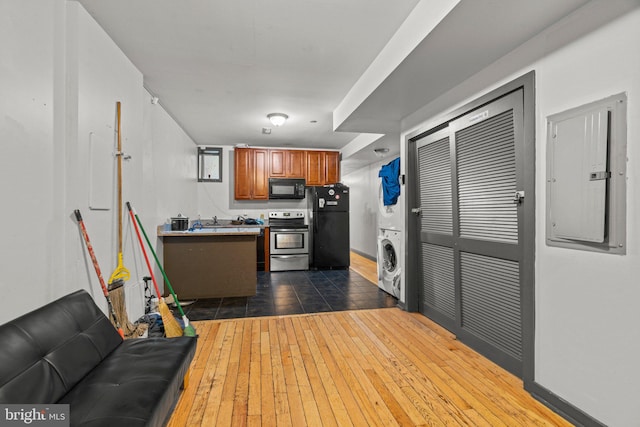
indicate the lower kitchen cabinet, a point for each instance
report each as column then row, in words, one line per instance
column 262, row 250
column 211, row 266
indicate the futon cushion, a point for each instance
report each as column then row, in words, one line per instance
column 46, row 352
column 136, row 385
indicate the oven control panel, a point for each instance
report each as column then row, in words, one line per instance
column 286, row 215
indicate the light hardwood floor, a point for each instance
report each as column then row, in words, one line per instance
column 380, row 367
column 365, row 267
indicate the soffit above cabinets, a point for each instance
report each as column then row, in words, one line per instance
column 470, row 37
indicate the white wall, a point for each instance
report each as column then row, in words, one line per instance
column 28, row 173
column 363, row 217
column 102, row 75
column 587, row 339
column 172, row 179
column 217, row 198
column 60, row 76
column 586, row 307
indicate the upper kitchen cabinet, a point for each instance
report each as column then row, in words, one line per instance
column 287, row 163
column 251, row 174
column 254, row 167
column 277, row 163
column 315, row 168
column 261, row 178
column 332, row 167
column 323, row 167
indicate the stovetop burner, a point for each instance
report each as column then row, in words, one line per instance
column 287, row 220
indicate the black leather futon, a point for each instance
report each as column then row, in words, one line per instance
column 68, row 352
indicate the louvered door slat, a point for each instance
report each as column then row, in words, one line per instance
column 491, row 301
column 435, row 186
column 438, row 279
column 470, row 249
column 486, row 179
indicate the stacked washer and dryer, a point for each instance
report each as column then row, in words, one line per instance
column 390, row 247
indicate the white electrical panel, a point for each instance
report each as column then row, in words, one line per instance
column 579, row 173
column 586, row 175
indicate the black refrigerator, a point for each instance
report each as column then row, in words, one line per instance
column 328, row 226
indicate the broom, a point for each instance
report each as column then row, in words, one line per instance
column 121, row 272
column 188, row 329
column 171, row 326
column 85, row 235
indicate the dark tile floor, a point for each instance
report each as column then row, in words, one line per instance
column 296, row 292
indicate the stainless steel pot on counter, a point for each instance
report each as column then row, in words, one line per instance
column 179, row 223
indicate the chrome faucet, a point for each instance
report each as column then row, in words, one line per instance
column 215, row 220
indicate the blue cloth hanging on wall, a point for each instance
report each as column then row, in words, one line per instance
column 390, row 182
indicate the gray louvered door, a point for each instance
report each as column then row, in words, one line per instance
column 470, row 239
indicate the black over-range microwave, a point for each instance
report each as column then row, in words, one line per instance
column 286, row 188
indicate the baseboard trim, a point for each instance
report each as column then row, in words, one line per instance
column 362, row 254
column 561, row 406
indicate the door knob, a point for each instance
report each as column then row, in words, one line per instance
column 518, row 197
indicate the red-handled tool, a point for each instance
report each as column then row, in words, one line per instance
column 98, row 272
column 171, row 326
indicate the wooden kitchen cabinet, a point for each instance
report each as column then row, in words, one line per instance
column 277, row 163
column 286, row 163
column 295, row 163
column 254, row 167
column 332, row 167
column 243, row 173
column 261, row 175
column 251, row 174
column 211, row 266
column 315, row 168
column 323, row 167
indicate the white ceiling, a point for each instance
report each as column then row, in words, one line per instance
column 219, row 67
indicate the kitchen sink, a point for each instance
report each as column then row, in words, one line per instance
column 225, row 229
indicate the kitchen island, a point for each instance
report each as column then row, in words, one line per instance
column 211, row 262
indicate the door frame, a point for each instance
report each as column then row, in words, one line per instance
column 526, row 83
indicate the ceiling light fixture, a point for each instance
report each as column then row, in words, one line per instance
column 277, row 119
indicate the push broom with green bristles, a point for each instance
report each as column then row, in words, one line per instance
column 188, row 328
column 171, row 327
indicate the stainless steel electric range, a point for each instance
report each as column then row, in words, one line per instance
column 288, row 241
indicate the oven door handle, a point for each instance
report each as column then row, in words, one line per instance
column 288, row 256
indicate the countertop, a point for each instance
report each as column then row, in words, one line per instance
column 225, row 230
